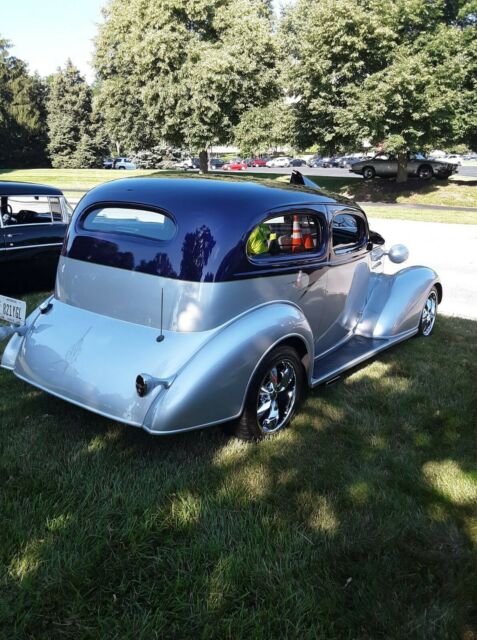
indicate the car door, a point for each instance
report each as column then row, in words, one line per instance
column 385, row 165
column 347, row 279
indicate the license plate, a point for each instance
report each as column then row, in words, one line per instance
column 11, row 310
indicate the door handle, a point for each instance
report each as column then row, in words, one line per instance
column 9, row 235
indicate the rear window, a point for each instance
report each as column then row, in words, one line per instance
column 134, row 222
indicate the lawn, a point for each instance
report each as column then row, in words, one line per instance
column 422, row 215
column 457, row 192
column 358, row 522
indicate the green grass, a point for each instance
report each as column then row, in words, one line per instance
column 422, row 215
column 359, row 521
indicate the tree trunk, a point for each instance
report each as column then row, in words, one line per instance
column 203, row 161
column 402, row 168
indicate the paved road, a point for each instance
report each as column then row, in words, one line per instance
column 340, row 173
column 450, row 249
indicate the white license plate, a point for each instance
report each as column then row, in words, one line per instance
column 12, row 310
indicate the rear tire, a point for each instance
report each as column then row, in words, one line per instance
column 273, row 396
column 429, row 314
column 369, row 173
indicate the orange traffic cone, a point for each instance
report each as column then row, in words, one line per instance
column 296, row 239
column 308, row 241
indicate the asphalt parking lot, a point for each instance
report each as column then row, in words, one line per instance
column 341, row 173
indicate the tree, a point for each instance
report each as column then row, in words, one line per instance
column 69, row 118
column 22, row 113
column 186, row 70
column 264, row 128
column 395, row 73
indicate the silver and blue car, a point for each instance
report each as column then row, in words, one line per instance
column 185, row 303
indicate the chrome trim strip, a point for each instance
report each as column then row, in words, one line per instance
column 34, row 246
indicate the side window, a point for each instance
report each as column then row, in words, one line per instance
column 21, row 210
column 348, row 232
column 287, row 234
column 56, row 212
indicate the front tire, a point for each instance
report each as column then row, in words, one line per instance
column 369, row 173
column 429, row 314
column 274, row 394
column 425, row 172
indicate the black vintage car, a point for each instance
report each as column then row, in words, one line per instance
column 33, row 223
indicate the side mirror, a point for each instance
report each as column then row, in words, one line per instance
column 376, row 238
column 398, row 253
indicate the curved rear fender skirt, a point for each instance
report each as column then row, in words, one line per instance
column 395, row 302
column 212, row 387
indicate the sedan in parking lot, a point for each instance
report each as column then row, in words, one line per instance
column 259, row 162
column 385, row 165
column 297, row 162
column 235, row 165
column 281, row 161
column 216, row 163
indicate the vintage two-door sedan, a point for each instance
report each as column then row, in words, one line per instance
column 33, row 224
column 184, row 303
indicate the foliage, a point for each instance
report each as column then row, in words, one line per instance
column 22, row 113
column 75, row 139
column 402, row 73
column 262, row 129
column 183, row 71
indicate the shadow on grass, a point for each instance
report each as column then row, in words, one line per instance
column 388, row 191
column 356, row 522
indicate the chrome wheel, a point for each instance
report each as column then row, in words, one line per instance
column 429, row 313
column 276, row 397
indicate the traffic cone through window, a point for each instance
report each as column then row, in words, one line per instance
column 296, row 239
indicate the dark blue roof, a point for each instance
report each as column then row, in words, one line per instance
column 216, row 196
column 27, row 189
column 214, row 218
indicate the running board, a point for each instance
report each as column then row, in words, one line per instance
column 349, row 355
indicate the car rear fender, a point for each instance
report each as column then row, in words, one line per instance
column 395, row 302
column 212, row 387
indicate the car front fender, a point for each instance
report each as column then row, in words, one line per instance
column 395, row 302
column 212, row 387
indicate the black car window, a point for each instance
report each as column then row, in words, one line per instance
column 135, row 222
column 348, row 232
column 286, row 234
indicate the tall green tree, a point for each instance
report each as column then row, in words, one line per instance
column 22, row 113
column 183, row 71
column 69, row 118
column 395, row 73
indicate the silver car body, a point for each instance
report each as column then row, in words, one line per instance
column 199, row 342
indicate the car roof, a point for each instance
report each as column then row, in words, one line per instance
column 27, row 189
column 215, row 197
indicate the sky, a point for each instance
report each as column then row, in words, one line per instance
column 45, row 33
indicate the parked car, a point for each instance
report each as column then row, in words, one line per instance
column 259, row 162
column 107, row 163
column 314, row 162
column 33, row 223
column 385, row 165
column 188, row 163
column 281, row 161
column 454, row 158
column 180, row 304
column 235, row 165
column 297, row 162
column 216, row 163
